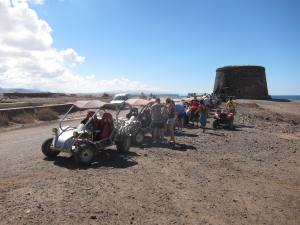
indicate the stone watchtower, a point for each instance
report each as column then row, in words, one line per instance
column 247, row 82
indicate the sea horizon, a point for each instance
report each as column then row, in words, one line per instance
column 288, row 97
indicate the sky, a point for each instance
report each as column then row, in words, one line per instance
column 156, row 45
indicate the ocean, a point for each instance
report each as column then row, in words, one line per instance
column 284, row 97
column 287, row 97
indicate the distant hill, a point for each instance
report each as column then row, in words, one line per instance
column 18, row 90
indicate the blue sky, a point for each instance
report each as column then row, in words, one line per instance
column 177, row 45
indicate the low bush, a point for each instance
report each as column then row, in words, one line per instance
column 23, row 118
column 4, row 121
column 46, row 114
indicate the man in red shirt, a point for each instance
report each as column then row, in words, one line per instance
column 194, row 106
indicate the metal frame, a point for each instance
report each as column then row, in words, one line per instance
column 87, row 123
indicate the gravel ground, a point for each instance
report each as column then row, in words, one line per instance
column 246, row 176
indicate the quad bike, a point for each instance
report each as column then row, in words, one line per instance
column 142, row 122
column 223, row 118
column 91, row 135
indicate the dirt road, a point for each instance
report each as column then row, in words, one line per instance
column 246, row 176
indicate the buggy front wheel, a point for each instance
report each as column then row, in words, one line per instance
column 46, row 149
column 231, row 126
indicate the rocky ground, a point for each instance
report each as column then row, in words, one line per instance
column 246, row 176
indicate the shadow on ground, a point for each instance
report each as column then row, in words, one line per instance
column 185, row 134
column 243, row 126
column 177, row 146
column 216, row 134
column 106, row 158
column 237, row 127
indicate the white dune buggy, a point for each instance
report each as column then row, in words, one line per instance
column 91, row 135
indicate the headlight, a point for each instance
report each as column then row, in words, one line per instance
column 54, row 131
column 75, row 134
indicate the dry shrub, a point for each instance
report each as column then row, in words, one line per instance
column 23, row 118
column 105, row 95
column 4, row 121
column 46, row 114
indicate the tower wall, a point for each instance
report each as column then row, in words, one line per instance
column 247, row 82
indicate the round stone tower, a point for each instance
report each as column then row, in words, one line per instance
column 247, row 82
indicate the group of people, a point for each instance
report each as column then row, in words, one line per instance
column 197, row 111
column 163, row 117
column 166, row 117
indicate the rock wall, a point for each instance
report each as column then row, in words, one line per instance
column 247, row 82
column 59, row 108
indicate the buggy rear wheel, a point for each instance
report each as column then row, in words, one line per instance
column 138, row 138
column 124, row 144
column 46, row 149
column 215, row 124
column 84, row 156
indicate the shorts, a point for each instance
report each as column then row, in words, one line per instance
column 171, row 121
column 194, row 115
column 181, row 116
column 159, row 125
column 232, row 111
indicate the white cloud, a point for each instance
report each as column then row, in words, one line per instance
column 38, row 2
column 28, row 59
